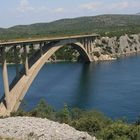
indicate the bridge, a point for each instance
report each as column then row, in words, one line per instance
column 15, row 92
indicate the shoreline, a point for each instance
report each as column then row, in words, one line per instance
column 112, row 57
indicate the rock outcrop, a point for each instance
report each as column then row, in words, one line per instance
column 28, row 128
column 106, row 48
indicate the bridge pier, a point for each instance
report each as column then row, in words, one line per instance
column 41, row 49
column 26, row 64
column 16, row 61
column 88, row 46
column 91, row 46
column 5, row 78
column 86, row 43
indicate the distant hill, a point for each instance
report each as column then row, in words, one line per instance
column 2, row 30
column 103, row 24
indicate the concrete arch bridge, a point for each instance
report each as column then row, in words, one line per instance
column 15, row 92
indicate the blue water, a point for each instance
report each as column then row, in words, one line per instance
column 111, row 87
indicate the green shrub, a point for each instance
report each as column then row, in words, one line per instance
column 93, row 122
column 20, row 112
column 135, row 132
column 76, row 113
column 63, row 115
column 116, row 131
column 43, row 110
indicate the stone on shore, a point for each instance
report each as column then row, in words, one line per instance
column 29, row 128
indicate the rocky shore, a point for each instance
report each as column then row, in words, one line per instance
column 106, row 48
column 29, row 128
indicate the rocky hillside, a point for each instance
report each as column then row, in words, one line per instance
column 106, row 48
column 27, row 128
column 104, row 24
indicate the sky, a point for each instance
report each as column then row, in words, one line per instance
column 22, row 12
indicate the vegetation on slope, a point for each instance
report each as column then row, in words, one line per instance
column 110, row 25
column 93, row 122
column 66, row 53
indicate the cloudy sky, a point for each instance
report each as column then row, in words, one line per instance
column 15, row 12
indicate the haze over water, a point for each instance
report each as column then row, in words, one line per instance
column 112, row 87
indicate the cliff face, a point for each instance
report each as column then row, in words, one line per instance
column 106, row 48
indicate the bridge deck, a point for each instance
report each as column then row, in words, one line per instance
column 28, row 41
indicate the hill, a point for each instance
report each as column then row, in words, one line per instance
column 103, row 24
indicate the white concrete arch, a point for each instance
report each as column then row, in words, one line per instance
column 18, row 92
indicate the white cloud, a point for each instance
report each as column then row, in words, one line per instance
column 59, row 10
column 112, row 6
column 125, row 5
column 91, row 5
column 24, row 6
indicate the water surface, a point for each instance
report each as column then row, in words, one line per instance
column 111, row 87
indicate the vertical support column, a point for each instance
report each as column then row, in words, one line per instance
column 90, row 45
column 26, row 65
column 82, row 42
column 31, row 50
column 41, row 49
column 5, row 78
column 16, row 61
column 85, row 43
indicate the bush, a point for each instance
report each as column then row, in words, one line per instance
column 135, row 132
column 91, row 125
column 20, row 112
column 43, row 110
column 63, row 116
column 116, row 131
column 93, row 122
column 76, row 113
column 97, row 54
